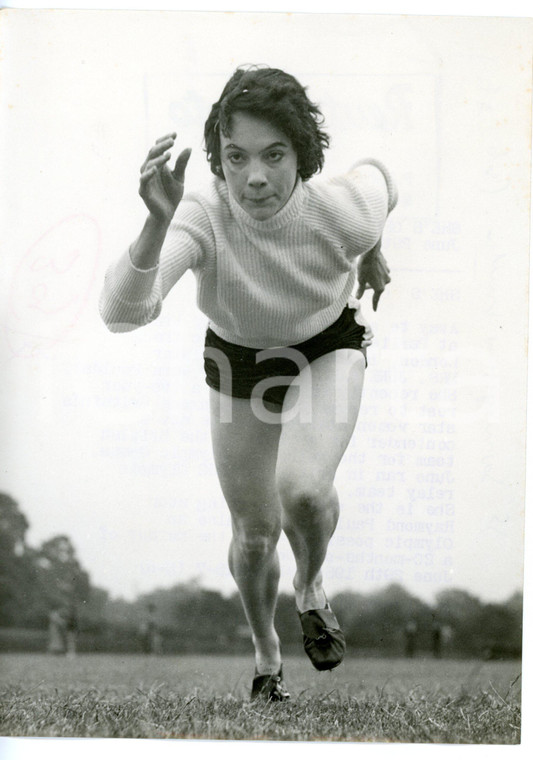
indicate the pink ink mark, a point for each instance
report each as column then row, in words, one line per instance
column 52, row 285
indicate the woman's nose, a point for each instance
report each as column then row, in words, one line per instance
column 256, row 175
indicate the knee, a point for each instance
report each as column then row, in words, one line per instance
column 304, row 498
column 257, row 542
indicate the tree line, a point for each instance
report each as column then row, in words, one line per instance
column 187, row 618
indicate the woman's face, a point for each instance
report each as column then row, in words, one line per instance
column 259, row 164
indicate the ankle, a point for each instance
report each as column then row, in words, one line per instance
column 310, row 597
column 267, row 667
column 267, row 654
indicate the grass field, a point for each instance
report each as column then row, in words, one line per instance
column 393, row 700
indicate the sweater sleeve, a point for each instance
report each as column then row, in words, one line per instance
column 133, row 297
column 360, row 170
column 358, row 205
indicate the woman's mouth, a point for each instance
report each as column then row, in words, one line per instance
column 259, row 201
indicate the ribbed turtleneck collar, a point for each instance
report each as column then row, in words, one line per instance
column 284, row 216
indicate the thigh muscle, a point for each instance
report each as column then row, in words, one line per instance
column 312, row 443
column 245, row 451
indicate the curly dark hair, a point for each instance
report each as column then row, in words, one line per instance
column 278, row 98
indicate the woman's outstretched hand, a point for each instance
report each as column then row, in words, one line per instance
column 160, row 187
column 373, row 273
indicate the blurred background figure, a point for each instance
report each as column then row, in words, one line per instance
column 436, row 638
column 149, row 632
column 57, row 643
column 71, row 630
column 410, row 632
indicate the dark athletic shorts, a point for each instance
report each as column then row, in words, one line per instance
column 236, row 372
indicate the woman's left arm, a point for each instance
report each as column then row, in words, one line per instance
column 373, row 273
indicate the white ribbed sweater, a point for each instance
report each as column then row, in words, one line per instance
column 261, row 283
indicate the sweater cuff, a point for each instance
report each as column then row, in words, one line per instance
column 131, row 284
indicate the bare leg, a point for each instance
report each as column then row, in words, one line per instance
column 245, row 451
column 308, row 457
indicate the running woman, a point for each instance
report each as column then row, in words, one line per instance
column 276, row 259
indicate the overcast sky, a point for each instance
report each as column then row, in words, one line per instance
column 107, row 436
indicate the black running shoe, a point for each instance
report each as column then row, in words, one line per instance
column 324, row 641
column 270, row 687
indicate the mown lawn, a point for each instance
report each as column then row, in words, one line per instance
column 365, row 700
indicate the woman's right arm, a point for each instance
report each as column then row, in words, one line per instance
column 161, row 190
column 132, row 296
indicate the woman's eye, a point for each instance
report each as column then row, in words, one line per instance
column 275, row 156
column 236, row 158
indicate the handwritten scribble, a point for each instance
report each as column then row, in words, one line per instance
column 51, row 285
